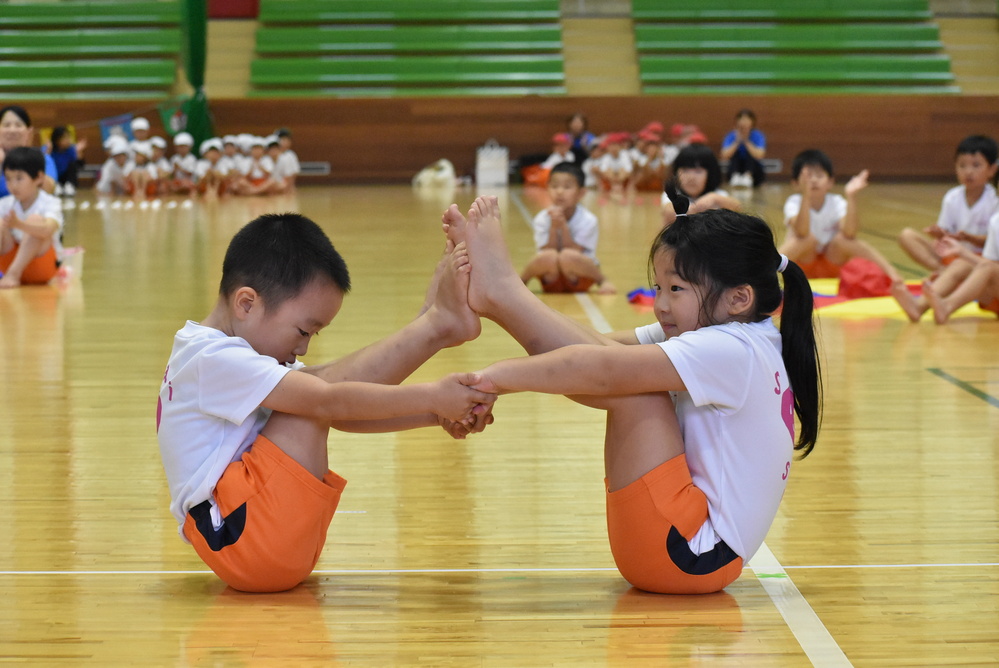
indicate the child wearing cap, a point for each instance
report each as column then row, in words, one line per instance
column 184, row 164
column 649, row 160
column 164, row 170
column 211, row 172
column 140, row 132
column 561, row 151
column 112, row 180
column 141, row 179
column 256, row 178
column 615, row 167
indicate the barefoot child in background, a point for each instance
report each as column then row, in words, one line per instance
column 566, row 236
column 822, row 228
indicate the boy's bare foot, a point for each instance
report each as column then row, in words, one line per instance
column 494, row 279
column 453, row 319
column 454, row 224
column 606, row 288
column 8, row 281
column 435, row 280
column 913, row 309
column 941, row 310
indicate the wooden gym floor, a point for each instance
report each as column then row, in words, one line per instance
column 490, row 551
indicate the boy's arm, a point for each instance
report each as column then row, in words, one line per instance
column 850, row 224
column 801, row 224
column 304, row 394
column 585, row 370
column 36, row 225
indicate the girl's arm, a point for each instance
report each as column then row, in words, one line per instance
column 585, row 370
column 715, row 200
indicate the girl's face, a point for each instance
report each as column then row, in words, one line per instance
column 13, row 132
column 577, row 125
column 693, row 180
column 678, row 302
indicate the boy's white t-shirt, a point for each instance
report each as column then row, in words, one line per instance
column 111, row 174
column 610, row 163
column 287, row 163
column 824, row 223
column 737, row 422
column 45, row 205
column 991, row 250
column 258, row 169
column 209, row 411
column 956, row 216
column 557, row 158
column 583, row 228
column 205, row 165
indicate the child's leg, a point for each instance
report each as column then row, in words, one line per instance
column 919, row 248
column 842, row 249
column 497, row 292
column 981, row 284
column 574, row 265
column 448, row 321
column 543, row 266
column 800, row 250
column 30, row 248
column 642, row 433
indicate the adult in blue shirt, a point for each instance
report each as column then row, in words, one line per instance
column 16, row 131
column 744, row 148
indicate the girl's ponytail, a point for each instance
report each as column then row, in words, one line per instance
column 801, row 356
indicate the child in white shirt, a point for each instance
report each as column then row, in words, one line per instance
column 30, row 222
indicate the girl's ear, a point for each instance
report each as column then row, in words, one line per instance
column 741, row 300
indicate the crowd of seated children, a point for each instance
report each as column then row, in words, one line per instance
column 234, row 164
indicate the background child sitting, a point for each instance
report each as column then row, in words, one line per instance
column 30, row 222
column 822, row 227
column 566, row 236
column 697, row 176
column 112, row 180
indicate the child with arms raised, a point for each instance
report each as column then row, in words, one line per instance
column 822, row 228
column 692, row 486
column 243, row 426
column 566, row 236
column 30, row 222
column 966, row 209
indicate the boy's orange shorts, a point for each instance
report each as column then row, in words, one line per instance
column 563, row 284
column 276, row 515
column 820, row 267
column 650, row 522
column 39, row 271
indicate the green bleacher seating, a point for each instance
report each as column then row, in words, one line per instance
column 90, row 13
column 63, row 78
column 787, row 37
column 89, row 43
column 519, row 38
column 407, row 11
column 781, row 10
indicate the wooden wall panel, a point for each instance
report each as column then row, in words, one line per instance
column 388, row 140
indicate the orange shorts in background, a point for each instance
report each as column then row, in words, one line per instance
column 649, row 523
column 820, row 267
column 563, row 284
column 39, row 271
column 276, row 515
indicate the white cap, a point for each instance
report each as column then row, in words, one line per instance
column 230, row 139
column 245, row 140
column 258, row 141
column 144, row 149
column 140, row 123
column 213, row 143
column 183, row 139
column 159, row 142
column 271, row 139
column 116, row 145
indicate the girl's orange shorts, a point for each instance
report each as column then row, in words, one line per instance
column 275, row 518
column 650, row 523
column 39, row 271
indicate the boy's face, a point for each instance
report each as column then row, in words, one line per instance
column 284, row 333
column 815, row 180
column 973, row 170
column 285, row 143
column 564, row 191
column 140, row 134
column 182, row 149
column 257, row 151
column 21, row 185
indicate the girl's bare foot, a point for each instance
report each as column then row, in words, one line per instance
column 941, row 309
column 450, row 313
column 494, row 280
column 913, row 309
column 435, row 280
column 606, row 288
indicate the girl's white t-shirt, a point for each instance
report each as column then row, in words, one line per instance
column 956, row 216
column 737, row 422
column 824, row 223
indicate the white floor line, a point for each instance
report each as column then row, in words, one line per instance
column 811, row 633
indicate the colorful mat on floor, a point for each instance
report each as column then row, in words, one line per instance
column 830, row 303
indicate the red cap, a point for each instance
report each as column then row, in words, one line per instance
column 697, row 137
column 562, row 138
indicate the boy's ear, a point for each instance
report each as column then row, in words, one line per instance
column 244, row 301
column 740, row 300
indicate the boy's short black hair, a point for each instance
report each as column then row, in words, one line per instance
column 979, row 144
column 811, row 157
column 25, row 159
column 572, row 169
column 278, row 255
